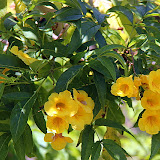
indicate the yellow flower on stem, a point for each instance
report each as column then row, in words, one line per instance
column 81, row 97
column 124, row 86
column 56, row 124
column 154, row 79
column 150, row 100
column 61, row 104
column 144, row 81
column 23, row 56
column 150, row 122
column 80, row 119
column 58, row 141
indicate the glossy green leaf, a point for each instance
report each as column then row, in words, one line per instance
column 110, row 123
column 101, row 87
column 114, row 149
column 154, row 47
column 67, row 77
column 10, row 61
column 106, row 62
column 100, row 39
column 19, row 117
column 20, row 148
column 96, row 150
column 125, row 10
column 87, row 142
column 4, row 140
column 68, row 14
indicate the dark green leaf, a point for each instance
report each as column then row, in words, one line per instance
column 100, row 39
column 28, row 140
column 66, row 78
column 2, row 86
column 10, row 61
column 19, row 117
column 114, row 149
column 154, row 47
column 4, row 127
column 110, row 123
column 4, row 115
column 4, row 140
column 106, row 62
column 47, row 4
column 87, row 142
column 68, row 14
column 17, row 95
column 101, row 88
column 20, row 148
column 96, row 150
column 114, row 112
column 126, row 11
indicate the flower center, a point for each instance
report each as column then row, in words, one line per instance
column 124, row 88
column 60, row 105
column 150, row 102
column 84, row 102
column 152, row 120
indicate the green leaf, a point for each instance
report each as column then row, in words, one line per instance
column 114, row 54
column 4, row 127
column 154, row 47
column 114, row 149
column 20, row 148
column 2, row 86
column 37, row 113
column 75, row 42
column 96, row 150
column 66, row 78
column 89, row 29
column 101, row 88
column 10, row 61
column 100, row 39
column 106, row 62
column 47, row 4
column 67, row 14
column 110, row 123
column 4, row 140
column 19, row 117
column 97, row 65
column 155, row 145
column 126, row 11
column 114, row 112
column 4, row 115
column 28, row 140
column 87, row 142
column 17, row 95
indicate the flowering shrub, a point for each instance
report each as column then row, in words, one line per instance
column 71, row 72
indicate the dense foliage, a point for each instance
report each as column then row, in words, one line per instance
column 69, row 66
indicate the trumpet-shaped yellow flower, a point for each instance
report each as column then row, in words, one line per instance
column 137, row 81
column 23, row 56
column 61, row 104
column 56, row 124
column 150, row 122
column 124, row 86
column 144, row 81
column 80, row 119
column 154, row 79
column 58, row 141
column 150, row 100
column 81, row 97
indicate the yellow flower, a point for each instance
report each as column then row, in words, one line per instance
column 61, row 104
column 150, row 122
column 58, row 141
column 81, row 97
column 80, row 119
column 150, row 100
column 56, row 124
column 154, row 81
column 124, row 86
column 144, row 81
column 137, row 81
column 23, row 56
